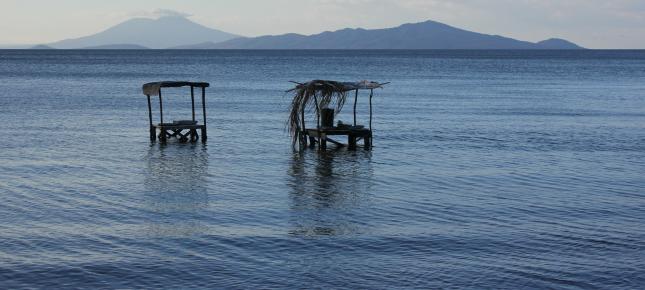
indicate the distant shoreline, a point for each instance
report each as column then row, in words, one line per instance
column 321, row 49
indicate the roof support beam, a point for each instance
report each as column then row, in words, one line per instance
column 204, row 104
column 355, row 101
column 371, row 94
column 160, row 107
column 149, row 110
column 192, row 100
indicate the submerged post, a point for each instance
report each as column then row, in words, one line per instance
column 204, row 135
column 152, row 129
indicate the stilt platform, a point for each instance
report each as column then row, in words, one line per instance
column 321, row 137
column 327, row 98
column 183, row 130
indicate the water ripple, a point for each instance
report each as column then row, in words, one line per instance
column 490, row 170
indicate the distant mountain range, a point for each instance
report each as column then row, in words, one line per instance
column 175, row 32
column 424, row 35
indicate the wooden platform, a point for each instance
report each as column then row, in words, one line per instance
column 320, row 136
column 182, row 132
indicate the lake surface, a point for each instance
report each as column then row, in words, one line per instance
column 490, row 169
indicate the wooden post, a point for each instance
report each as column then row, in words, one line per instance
column 351, row 141
column 321, row 146
column 152, row 129
column 160, row 107
column 317, row 112
column 323, row 141
column 368, row 140
column 192, row 100
column 162, row 134
column 371, row 94
column 193, row 135
column 355, row 101
column 204, row 135
column 149, row 110
column 303, row 132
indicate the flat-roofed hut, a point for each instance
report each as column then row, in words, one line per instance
column 327, row 98
column 183, row 130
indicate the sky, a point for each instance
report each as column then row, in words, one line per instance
column 590, row 23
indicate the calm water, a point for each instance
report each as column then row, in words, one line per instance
column 491, row 169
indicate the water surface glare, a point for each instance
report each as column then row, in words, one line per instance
column 491, row 169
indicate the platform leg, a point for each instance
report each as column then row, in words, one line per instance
column 351, row 142
column 204, row 136
column 367, row 142
column 153, row 134
column 323, row 141
column 163, row 135
column 312, row 142
column 193, row 135
column 302, row 138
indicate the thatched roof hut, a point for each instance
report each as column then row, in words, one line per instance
column 320, row 94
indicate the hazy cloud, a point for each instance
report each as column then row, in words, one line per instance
column 169, row 12
column 123, row 15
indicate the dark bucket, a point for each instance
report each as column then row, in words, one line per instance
column 327, row 118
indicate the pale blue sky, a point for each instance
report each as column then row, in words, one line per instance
column 591, row 23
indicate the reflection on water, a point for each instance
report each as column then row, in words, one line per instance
column 327, row 191
column 176, row 189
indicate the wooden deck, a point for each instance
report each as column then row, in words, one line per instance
column 183, row 132
column 320, row 136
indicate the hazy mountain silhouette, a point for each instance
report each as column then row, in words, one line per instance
column 203, row 45
column 424, row 35
column 41, row 46
column 557, row 43
column 117, row 46
column 167, row 31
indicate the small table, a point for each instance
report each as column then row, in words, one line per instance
column 353, row 134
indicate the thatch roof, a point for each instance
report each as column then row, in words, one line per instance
column 152, row 89
column 328, row 94
column 337, row 86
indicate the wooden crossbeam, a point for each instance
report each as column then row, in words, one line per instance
column 335, row 142
column 191, row 134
